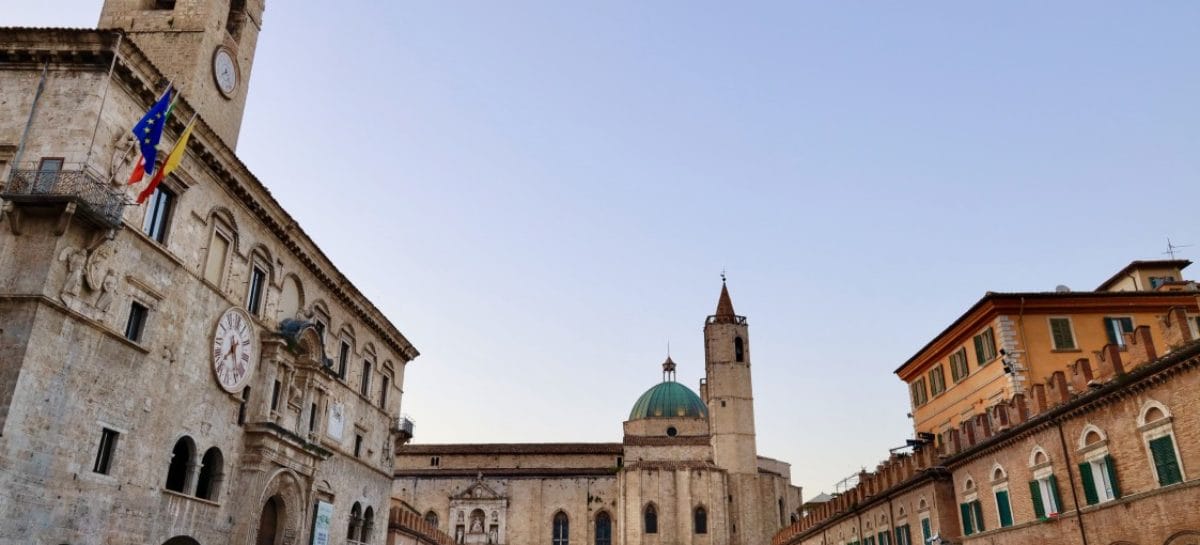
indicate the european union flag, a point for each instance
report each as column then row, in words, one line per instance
column 149, row 130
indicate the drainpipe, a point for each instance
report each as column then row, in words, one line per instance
column 1071, row 477
column 37, row 95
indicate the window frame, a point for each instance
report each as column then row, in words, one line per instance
column 1155, row 430
column 229, row 235
column 156, row 223
column 987, row 334
column 364, row 386
column 913, row 390
column 1070, row 331
column 256, row 287
column 650, row 519
column 106, row 451
column 957, row 374
column 560, row 528
column 135, row 330
column 1120, row 338
column 937, row 376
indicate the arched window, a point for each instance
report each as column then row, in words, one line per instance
column 368, row 525
column 1098, row 472
column 603, row 528
column 432, row 519
column 650, row 519
column 1000, row 493
column 1158, row 436
column 181, row 462
column 208, row 486
column 739, row 349
column 700, row 521
column 355, row 524
column 562, row 530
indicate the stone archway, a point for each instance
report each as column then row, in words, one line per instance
column 269, row 522
column 1186, row 537
column 181, row 540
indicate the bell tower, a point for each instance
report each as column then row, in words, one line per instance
column 206, row 47
column 730, row 401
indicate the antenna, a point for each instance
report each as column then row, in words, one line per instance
column 1173, row 248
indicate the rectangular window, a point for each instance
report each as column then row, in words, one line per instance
column 218, row 251
column 1166, row 465
column 258, row 281
column 1061, row 334
column 383, row 392
column 937, row 381
column 972, row 517
column 1156, row 281
column 158, row 214
column 47, row 176
column 985, row 347
column 1115, row 328
column 883, row 538
column 137, row 322
column 343, row 359
column 364, row 387
column 1099, row 480
column 312, row 418
column 275, row 395
column 1044, row 493
column 959, row 369
column 926, row 530
column 357, row 446
column 918, row 392
column 108, row 447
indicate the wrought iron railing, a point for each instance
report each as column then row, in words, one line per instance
column 403, row 424
column 83, row 187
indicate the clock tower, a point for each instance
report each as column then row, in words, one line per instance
column 206, row 47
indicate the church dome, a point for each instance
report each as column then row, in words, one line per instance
column 668, row 399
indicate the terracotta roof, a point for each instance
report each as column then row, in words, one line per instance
column 661, row 441
column 1147, row 264
column 513, row 448
column 508, row 472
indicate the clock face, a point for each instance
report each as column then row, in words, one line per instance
column 233, row 350
column 225, row 71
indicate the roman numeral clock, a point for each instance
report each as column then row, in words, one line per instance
column 233, row 350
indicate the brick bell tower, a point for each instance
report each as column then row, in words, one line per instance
column 206, row 47
column 730, row 401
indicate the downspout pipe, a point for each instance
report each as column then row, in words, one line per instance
column 1062, row 437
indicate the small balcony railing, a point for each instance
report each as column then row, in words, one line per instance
column 403, row 425
column 92, row 196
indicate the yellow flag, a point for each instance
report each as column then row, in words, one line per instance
column 171, row 164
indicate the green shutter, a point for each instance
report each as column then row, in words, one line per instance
column 1060, row 329
column 1035, row 491
column 1004, row 508
column 883, row 538
column 965, row 511
column 1112, row 475
column 926, row 530
column 900, row 535
column 1109, row 330
column 1053, row 482
column 979, row 357
column 907, row 535
column 1089, row 484
column 978, row 508
column 1163, row 451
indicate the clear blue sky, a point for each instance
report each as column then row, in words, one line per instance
column 542, row 194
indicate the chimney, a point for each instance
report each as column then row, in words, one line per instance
column 1175, row 329
column 1108, row 362
column 1056, row 389
column 1139, row 347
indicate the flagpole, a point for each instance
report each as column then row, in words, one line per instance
column 37, row 95
column 87, row 162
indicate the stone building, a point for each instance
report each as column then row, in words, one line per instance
column 1077, row 436
column 686, row 471
column 189, row 371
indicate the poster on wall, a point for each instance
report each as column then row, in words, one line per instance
column 321, row 521
column 337, row 420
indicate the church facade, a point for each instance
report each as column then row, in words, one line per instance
column 686, row 471
column 194, row 370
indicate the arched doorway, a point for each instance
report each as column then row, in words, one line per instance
column 268, row 522
column 181, row 540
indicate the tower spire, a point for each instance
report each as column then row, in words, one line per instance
column 724, row 304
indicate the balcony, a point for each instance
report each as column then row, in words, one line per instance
column 403, row 426
column 94, row 200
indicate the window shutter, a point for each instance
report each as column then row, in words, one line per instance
column 907, row 535
column 926, row 530
column 1089, row 485
column 1110, row 330
column 1163, row 451
column 1035, row 491
column 1004, row 508
column 978, row 508
column 1053, row 482
column 1127, row 325
column 1112, row 474
column 965, row 509
column 900, row 535
column 980, row 359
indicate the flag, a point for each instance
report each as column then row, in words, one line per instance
column 148, row 131
column 172, row 162
column 140, row 169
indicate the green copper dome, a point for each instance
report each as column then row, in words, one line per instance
column 667, row 400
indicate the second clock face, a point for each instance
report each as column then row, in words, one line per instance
column 225, row 71
column 233, row 350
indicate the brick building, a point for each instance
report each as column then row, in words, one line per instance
column 1059, row 444
column 190, row 371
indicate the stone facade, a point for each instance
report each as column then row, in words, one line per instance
column 685, row 473
column 117, row 422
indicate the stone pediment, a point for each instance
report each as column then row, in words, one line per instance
column 477, row 491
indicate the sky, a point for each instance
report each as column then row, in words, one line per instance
column 543, row 195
